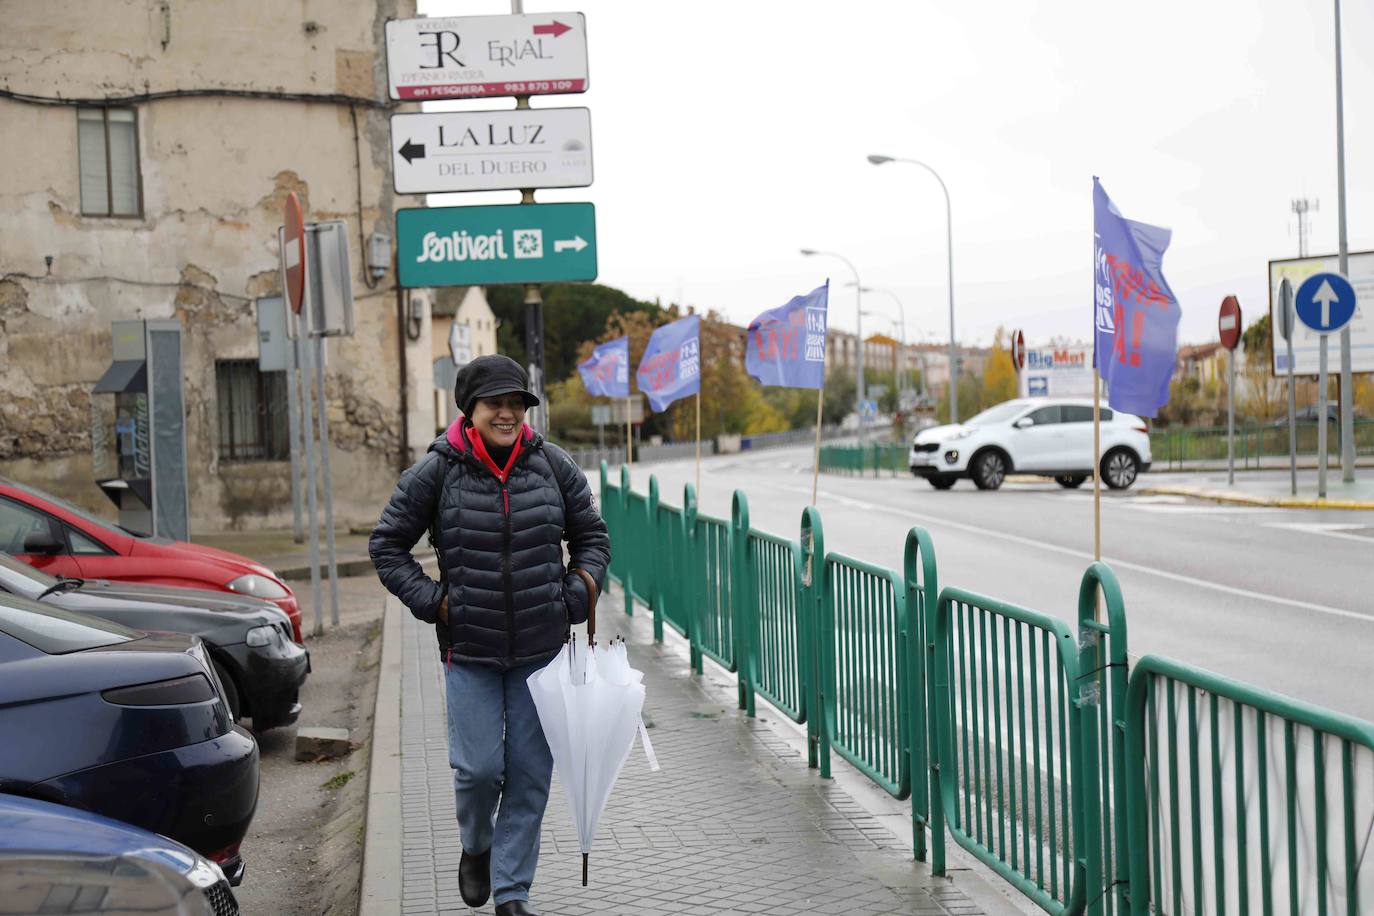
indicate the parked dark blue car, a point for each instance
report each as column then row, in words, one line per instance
column 126, row 724
column 55, row 859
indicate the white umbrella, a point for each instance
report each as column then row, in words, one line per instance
column 589, row 702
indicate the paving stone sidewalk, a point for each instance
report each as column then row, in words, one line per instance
column 733, row 823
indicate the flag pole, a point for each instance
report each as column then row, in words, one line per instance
column 629, row 435
column 1097, row 475
column 698, row 443
column 816, row 459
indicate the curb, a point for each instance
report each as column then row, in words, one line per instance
column 1233, row 497
column 380, row 888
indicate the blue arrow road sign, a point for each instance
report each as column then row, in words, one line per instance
column 1325, row 302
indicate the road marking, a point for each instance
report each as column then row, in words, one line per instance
column 1326, row 530
column 1084, row 555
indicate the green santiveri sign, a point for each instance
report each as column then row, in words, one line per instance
column 509, row 243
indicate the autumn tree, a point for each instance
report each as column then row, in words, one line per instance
column 999, row 375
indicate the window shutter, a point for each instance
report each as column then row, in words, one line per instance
column 123, row 162
column 90, row 138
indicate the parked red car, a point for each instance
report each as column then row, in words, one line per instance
column 62, row 540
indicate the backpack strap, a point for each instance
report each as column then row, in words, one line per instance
column 433, row 532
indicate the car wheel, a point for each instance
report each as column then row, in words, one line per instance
column 231, row 691
column 1119, row 468
column 989, row 470
column 1071, row 481
column 941, row 482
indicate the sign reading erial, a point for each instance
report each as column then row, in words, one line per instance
column 508, row 243
column 468, row 57
column 444, row 151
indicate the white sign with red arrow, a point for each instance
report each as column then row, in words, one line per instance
column 464, row 57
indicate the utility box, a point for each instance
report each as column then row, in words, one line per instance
column 142, row 466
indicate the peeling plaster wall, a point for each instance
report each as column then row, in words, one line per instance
column 215, row 173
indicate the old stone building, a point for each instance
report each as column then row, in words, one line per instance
column 149, row 146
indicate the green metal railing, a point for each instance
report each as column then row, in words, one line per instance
column 871, row 457
column 1009, row 740
column 1173, row 446
column 1172, row 790
column 1244, row 801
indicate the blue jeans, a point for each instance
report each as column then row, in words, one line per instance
column 501, row 771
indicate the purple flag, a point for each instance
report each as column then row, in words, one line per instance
column 606, row 372
column 1136, row 342
column 786, row 345
column 671, row 367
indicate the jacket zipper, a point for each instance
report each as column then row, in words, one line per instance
column 505, row 572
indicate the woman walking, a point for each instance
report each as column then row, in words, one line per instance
column 497, row 501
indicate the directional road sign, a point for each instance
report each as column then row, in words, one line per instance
column 1325, row 302
column 468, row 57
column 441, row 151
column 510, row 243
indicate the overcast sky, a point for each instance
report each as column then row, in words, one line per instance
column 726, row 136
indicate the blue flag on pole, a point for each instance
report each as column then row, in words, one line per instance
column 671, row 367
column 786, row 345
column 606, row 373
column 1136, row 313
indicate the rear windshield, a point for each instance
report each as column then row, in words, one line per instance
column 55, row 631
column 24, row 569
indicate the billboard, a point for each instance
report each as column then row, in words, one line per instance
column 1306, row 341
column 1058, row 372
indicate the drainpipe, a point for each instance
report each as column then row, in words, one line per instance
column 404, row 453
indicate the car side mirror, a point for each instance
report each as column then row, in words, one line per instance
column 42, row 543
column 1024, row 423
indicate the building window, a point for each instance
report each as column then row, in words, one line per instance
column 253, row 421
column 107, row 141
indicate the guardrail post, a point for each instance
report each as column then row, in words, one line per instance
column 694, row 576
column 1105, row 679
column 743, row 607
column 631, row 547
column 922, row 589
column 820, row 672
column 655, row 551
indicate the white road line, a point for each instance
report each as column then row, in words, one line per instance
column 1084, row 555
column 1325, row 530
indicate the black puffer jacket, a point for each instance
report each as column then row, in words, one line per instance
column 510, row 598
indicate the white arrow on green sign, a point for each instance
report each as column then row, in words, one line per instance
column 510, row 243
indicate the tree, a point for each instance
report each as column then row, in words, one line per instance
column 841, row 389
column 571, row 312
column 1266, row 397
column 999, row 375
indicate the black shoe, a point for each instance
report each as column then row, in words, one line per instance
column 514, row 908
column 474, row 877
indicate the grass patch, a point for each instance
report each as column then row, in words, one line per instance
column 338, row 781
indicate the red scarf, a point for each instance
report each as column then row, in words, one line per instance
column 479, row 448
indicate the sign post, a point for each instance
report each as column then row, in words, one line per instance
column 1228, row 326
column 1325, row 302
column 1284, row 320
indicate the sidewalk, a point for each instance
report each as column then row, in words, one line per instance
column 734, row 822
column 1272, row 488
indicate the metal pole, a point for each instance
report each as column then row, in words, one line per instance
column 293, row 411
column 1292, row 418
column 308, row 428
column 534, row 350
column 328, row 479
column 1321, row 420
column 1231, row 418
column 1347, row 382
column 953, row 349
column 1097, row 463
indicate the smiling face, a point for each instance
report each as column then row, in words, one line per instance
column 498, row 419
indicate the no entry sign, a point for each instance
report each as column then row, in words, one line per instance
column 293, row 252
column 1228, row 322
column 1018, row 350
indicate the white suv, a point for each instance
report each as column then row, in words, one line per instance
column 1052, row 437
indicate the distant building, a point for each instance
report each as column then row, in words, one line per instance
column 1201, row 362
column 468, row 309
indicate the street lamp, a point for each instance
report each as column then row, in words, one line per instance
column 858, row 303
column 949, row 248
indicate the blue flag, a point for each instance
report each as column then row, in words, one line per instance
column 1136, row 314
column 786, row 345
column 671, row 367
column 606, row 372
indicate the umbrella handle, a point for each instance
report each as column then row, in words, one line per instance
column 584, row 869
column 592, row 594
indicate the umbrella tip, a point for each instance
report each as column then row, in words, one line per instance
column 584, row 869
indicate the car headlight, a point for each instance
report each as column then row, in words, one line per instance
column 257, row 586
column 258, row 637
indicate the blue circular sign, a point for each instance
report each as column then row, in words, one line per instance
column 1325, row 302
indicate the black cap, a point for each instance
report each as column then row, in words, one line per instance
column 489, row 376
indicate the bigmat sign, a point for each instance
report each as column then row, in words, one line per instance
column 1058, row 372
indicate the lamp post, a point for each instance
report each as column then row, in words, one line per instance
column 949, row 249
column 858, row 304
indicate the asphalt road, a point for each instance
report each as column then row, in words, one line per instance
column 1279, row 598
